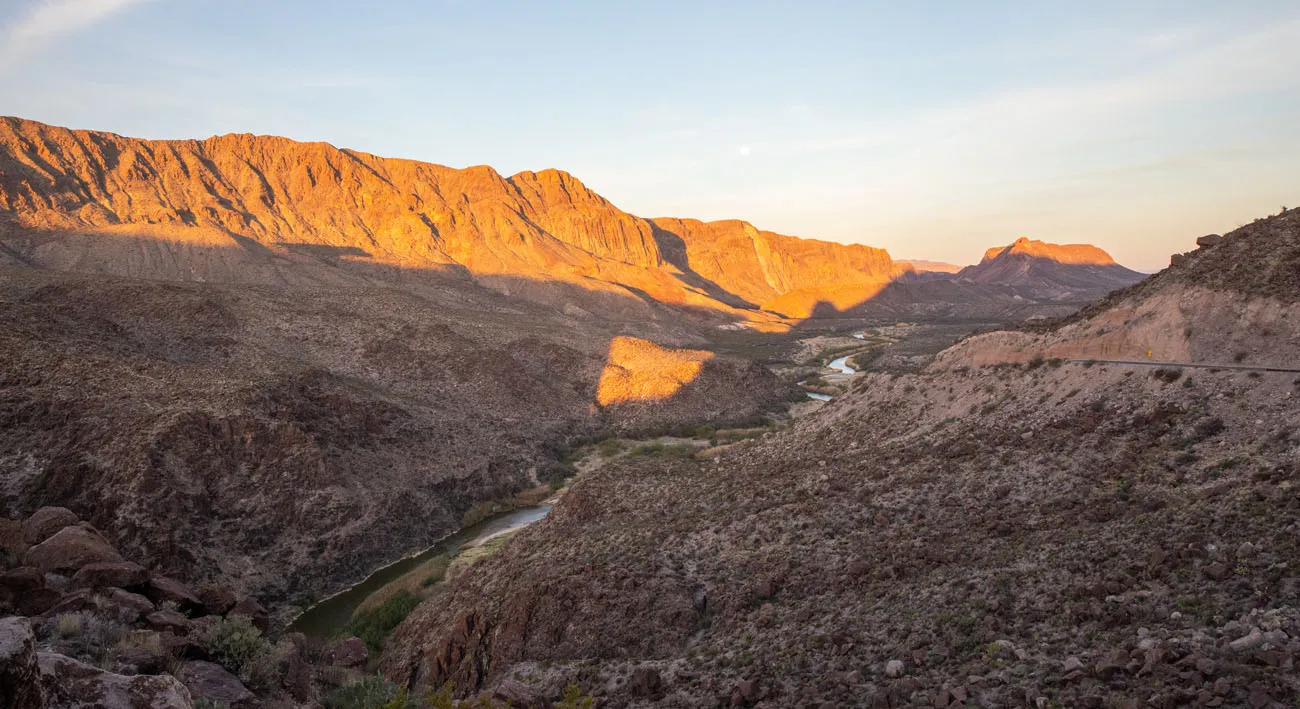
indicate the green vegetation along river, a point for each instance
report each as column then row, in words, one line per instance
column 328, row 617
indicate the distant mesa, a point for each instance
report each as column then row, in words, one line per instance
column 926, row 266
column 1051, row 271
column 1073, row 254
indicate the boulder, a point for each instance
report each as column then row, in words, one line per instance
column 162, row 589
column 349, row 652
column 12, row 545
column 24, row 590
column 69, row 549
column 184, row 647
column 169, row 621
column 1208, row 240
column 105, row 574
column 15, row 582
column 1218, row 571
column 129, row 606
column 20, row 676
column 80, row 600
column 255, row 612
column 70, row 684
column 217, row 600
column 212, row 682
column 45, row 522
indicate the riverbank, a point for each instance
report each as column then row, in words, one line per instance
column 416, row 575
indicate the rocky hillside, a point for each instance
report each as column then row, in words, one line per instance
column 1233, row 300
column 289, row 441
column 256, row 209
column 996, row 534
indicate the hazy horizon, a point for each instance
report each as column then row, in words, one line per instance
column 934, row 131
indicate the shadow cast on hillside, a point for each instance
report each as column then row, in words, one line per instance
column 673, row 248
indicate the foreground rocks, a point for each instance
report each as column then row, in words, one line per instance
column 97, row 632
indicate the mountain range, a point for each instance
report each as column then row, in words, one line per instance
column 267, row 210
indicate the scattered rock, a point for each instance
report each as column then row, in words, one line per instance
column 894, row 668
column 646, row 682
column 1208, row 240
column 69, row 549
column 45, row 522
column 1218, row 571
column 1072, row 664
column 349, row 652
column 1250, row 641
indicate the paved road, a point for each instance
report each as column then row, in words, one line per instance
column 1151, row 363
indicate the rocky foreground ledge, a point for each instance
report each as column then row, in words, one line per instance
column 91, row 630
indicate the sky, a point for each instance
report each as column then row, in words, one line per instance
column 932, row 129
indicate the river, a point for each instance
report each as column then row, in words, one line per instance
column 330, row 615
column 841, row 366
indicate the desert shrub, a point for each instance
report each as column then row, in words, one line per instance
column 233, row 642
column 84, row 635
column 1035, row 362
column 704, row 431
column 1240, row 356
column 369, row 693
column 611, row 447
column 373, row 625
column 205, row 703
column 1167, row 375
column 573, row 699
column 1207, row 428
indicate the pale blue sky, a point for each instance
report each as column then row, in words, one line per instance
column 933, row 129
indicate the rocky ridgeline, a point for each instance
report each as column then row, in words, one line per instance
column 91, row 629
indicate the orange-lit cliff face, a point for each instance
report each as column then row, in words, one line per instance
column 639, row 370
column 179, row 209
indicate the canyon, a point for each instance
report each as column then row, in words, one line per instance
column 274, row 367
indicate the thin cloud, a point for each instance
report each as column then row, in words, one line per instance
column 47, row 20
